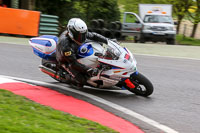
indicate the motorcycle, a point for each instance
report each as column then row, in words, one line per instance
column 117, row 64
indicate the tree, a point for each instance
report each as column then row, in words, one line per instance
column 99, row 9
column 62, row 8
column 195, row 15
column 180, row 9
column 84, row 9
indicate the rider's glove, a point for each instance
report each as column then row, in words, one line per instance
column 93, row 71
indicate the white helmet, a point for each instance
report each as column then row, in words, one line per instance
column 77, row 30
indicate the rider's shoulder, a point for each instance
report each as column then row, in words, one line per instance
column 63, row 35
column 64, row 38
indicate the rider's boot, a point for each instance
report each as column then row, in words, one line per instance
column 73, row 81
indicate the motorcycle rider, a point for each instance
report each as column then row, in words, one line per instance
column 67, row 48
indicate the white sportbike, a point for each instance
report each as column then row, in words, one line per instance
column 117, row 65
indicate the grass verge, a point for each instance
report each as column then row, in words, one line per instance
column 20, row 115
column 187, row 40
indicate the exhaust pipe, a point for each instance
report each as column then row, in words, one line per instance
column 50, row 72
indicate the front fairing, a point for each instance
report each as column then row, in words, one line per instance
column 123, row 62
column 86, row 54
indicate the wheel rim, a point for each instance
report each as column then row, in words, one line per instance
column 143, row 86
column 140, row 89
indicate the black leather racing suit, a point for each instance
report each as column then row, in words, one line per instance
column 66, row 53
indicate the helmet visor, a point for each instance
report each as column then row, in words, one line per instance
column 79, row 37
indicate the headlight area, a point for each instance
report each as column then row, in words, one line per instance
column 172, row 28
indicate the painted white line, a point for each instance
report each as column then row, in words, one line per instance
column 105, row 102
column 166, row 56
column 6, row 80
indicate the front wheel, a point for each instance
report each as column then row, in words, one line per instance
column 143, row 86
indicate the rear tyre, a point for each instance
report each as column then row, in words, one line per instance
column 143, row 87
column 50, row 64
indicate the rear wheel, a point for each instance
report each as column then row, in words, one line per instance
column 143, row 86
column 49, row 64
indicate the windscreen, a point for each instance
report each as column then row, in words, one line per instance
column 112, row 52
column 157, row 19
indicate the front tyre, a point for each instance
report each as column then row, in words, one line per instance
column 143, row 86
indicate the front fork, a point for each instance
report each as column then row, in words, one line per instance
column 127, row 83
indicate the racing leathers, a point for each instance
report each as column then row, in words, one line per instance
column 66, row 55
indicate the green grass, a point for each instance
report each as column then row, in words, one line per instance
column 187, row 40
column 20, row 115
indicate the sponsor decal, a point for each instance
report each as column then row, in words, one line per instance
column 117, row 71
column 68, row 53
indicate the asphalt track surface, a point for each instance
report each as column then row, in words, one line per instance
column 174, row 103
